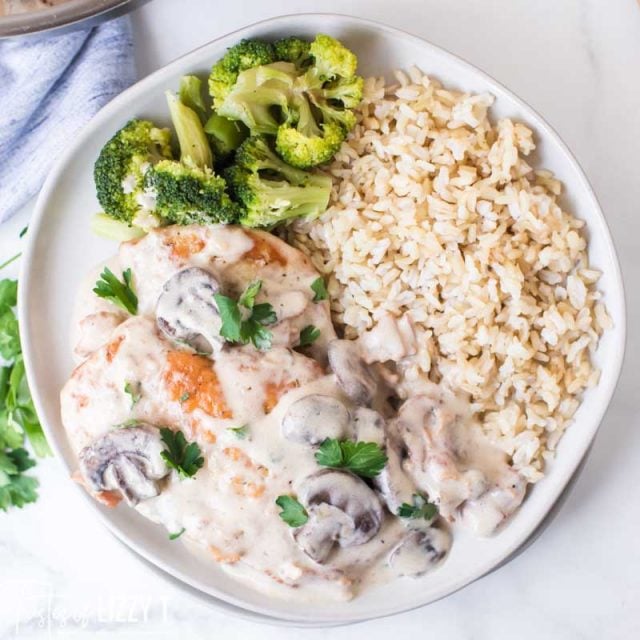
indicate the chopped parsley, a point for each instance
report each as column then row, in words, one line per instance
column 175, row 536
column 319, row 289
column 366, row 459
column 185, row 457
column 133, row 422
column 240, row 432
column 185, row 396
column 120, row 293
column 308, row 335
column 421, row 508
column 134, row 390
column 293, row 513
column 245, row 321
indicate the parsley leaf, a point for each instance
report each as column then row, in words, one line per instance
column 248, row 297
column 24, row 231
column 134, row 390
column 181, row 455
column 308, row 335
column 293, row 513
column 421, row 508
column 319, row 289
column 244, row 330
column 120, row 293
column 9, row 335
column 6, row 263
column 175, row 536
column 240, row 432
column 16, row 489
column 366, row 459
column 17, row 414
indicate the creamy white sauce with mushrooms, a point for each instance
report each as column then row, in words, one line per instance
column 286, row 402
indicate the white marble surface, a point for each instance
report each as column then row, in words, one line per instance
column 578, row 63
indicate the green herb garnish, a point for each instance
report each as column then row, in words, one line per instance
column 244, row 321
column 319, row 289
column 18, row 416
column 175, row 536
column 240, row 432
column 134, row 390
column 293, row 513
column 421, row 508
column 184, row 397
column 308, row 335
column 133, row 422
column 120, row 293
column 185, row 457
column 366, row 459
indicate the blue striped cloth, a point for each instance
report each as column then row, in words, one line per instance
column 49, row 88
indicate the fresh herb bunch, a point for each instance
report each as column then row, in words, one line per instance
column 245, row 321
column 17, row 414
column 185, row 457
column 365, row 459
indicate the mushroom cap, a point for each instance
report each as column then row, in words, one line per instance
column 355, row 516
column 354, row 377
column 186, row 310
column 127, row 460
column 369, row 425
column 314, row 418
column 420, row 551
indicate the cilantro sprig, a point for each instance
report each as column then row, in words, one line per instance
column 185, row 457
column 245, row 321
column 421, row 508
column 365, row 459
column 18, row 417
column 121, row 293
column 293, row 513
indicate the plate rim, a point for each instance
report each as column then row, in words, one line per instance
column 617, row 351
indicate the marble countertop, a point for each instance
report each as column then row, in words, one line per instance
column 578, row 63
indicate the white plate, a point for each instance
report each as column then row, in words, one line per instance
column 61, row 249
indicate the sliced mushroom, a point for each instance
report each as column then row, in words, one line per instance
column 315, row 417
column 343, row 510
column 420, row 551
column 393, row 483
column 326, row 525
column 186, row 310
column 127, row 460
column 354, row 377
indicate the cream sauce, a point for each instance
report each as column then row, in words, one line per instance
column 228, row 510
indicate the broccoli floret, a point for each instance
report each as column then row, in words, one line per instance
column 305, row 99
column 190, row 195
column 226, row 136
column 245, row 55
column 194, row 146
column 331, row 60
column 121, row 166
column 270, row 191
column 260, row 97
column 293, row 50
column 302, row 147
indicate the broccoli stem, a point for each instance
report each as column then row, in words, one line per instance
column 194, row 146
column 107, row 227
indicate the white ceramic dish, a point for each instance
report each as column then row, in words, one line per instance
column 61, row 249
